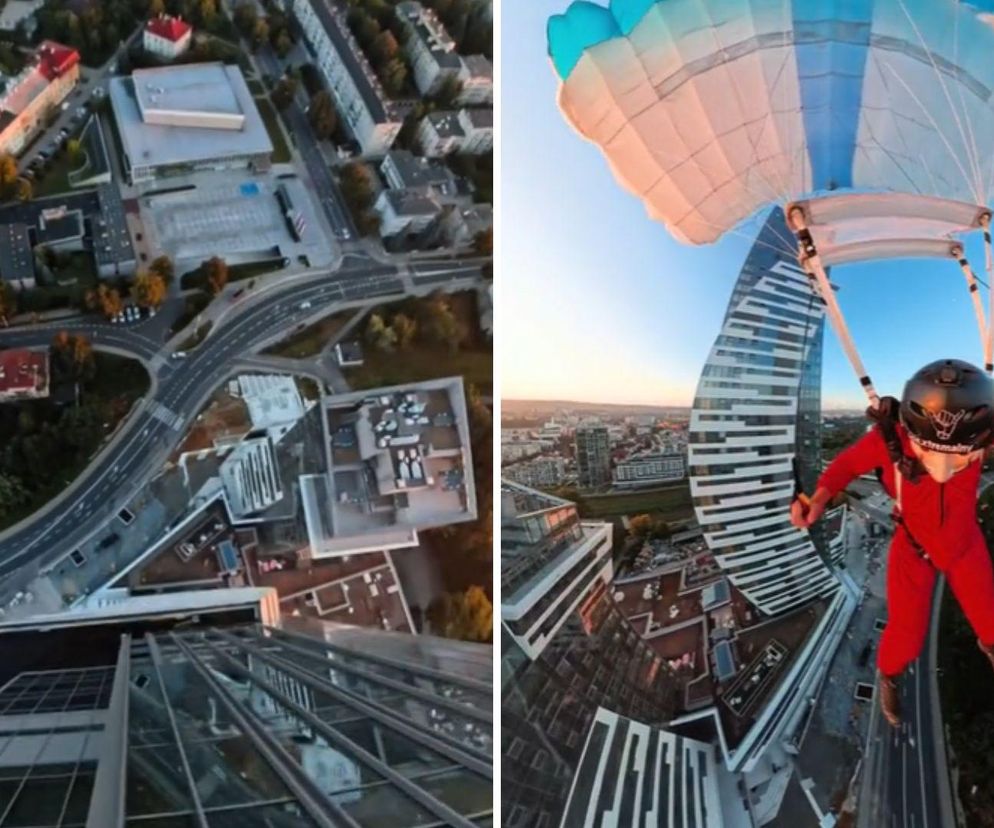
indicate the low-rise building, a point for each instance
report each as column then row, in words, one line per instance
column 421, row 191
column 430, row 49
column 32, row 94
column 476, row 78
column 349, row 354
column 362, row 103
column 23, row 375
column 461, row 225
column 440, row 134
column 167, row 36
column 195, row 117
column 539, row 473
column 650, row 469
column 469, row 131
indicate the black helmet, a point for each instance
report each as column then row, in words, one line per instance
column 948, row 406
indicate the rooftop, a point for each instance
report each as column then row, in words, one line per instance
column 168, row 27
column 414, row 172
column 411, row 203
column 446, row 124
column 184, row 91
column 22, row 370
column 431, row 32
column 399, row 461
column 479, row 118
column 272, row 399
column 54, row 59
column 478, row 66
column 16, row 253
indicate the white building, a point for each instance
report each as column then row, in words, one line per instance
column 538, row 473
column 477, row 79
column 359, row 97
column 468, row 131
column 649, row 470
column 462, row 225
column 251, row 478
column 751, row 416
column 434, row 59
column 539, row 594
column 200, row 116
column 274, row 402
column 167, row 36
column 420, row 192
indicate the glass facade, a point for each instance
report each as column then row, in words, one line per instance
column 758, row 409
column 308, row 724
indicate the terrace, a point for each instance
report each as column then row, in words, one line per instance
column 398, row 462
column 657, row 602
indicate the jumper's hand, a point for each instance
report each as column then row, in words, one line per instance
column 804, row 512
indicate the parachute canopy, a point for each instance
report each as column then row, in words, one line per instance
column 711, row 110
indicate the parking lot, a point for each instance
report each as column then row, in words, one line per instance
column 235, row 212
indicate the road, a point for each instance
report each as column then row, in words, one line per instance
column 310, row 153
column 180, row 388
column 900, row 775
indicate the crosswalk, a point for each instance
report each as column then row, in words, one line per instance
column 166, row 415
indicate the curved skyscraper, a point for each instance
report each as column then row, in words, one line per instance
column 758, row 404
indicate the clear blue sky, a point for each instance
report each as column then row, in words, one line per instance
column 598, row 303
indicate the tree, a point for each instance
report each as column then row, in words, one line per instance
column 282, row 94
column 394, row 75
column 149, row 290
column 379, row 335
column 106, row 300
column 483, row 242
column 465, row 615
column 71, row 358
column 246, row 17
column 8, row 172
column 384, row 48
column 8, row 302
column 405, row 329
column 163, row 266
column 440, row 324
column 24, row 190
column 260, row 32
column 283, row 44
column 322, row 115
column 156, row 7
column 640, row 526
column 448, row 92
column 216, row 271
column 75, row 150
column 363, row 27
column 12, row 492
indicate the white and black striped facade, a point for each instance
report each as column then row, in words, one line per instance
column 757, row 406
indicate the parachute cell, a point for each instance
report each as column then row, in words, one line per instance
column 711, row 110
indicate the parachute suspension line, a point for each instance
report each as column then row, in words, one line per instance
column 985, row 223
column 811, row 262
column 978, row 308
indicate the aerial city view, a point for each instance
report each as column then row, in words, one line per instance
column 746, row 417
column 246, row 395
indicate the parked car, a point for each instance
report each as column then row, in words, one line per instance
column 305, row 305
column 179, row 354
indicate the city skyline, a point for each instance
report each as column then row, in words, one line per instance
column 585, row 323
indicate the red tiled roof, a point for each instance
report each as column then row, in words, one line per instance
column 54, row 59
column 22, row 370
column 171, row 28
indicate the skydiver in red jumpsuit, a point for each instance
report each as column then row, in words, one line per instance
column 932, row 470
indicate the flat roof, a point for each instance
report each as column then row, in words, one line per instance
column 158, row 145
column 190, row 89
column 16, row 253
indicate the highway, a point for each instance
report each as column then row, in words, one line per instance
column 180, row 388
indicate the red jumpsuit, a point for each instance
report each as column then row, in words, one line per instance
column 942, row 517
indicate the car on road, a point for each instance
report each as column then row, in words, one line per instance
column 305, row 305
column 65, row 106
column 179, row 355
column 110, row 540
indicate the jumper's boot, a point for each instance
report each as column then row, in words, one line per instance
column 890, row 704
column 987, row 651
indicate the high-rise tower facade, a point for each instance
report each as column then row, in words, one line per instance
column 757, row 408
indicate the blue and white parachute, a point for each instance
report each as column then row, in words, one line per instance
column 709, row 109
column 870, row 121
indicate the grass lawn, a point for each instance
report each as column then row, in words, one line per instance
column 56, row 176
column 194, row 339
column 194, row 304
column 474, row 361
column 236, row 273
column 281, row 152
column 670, row 502
column 312, row 339
column 421, row 362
